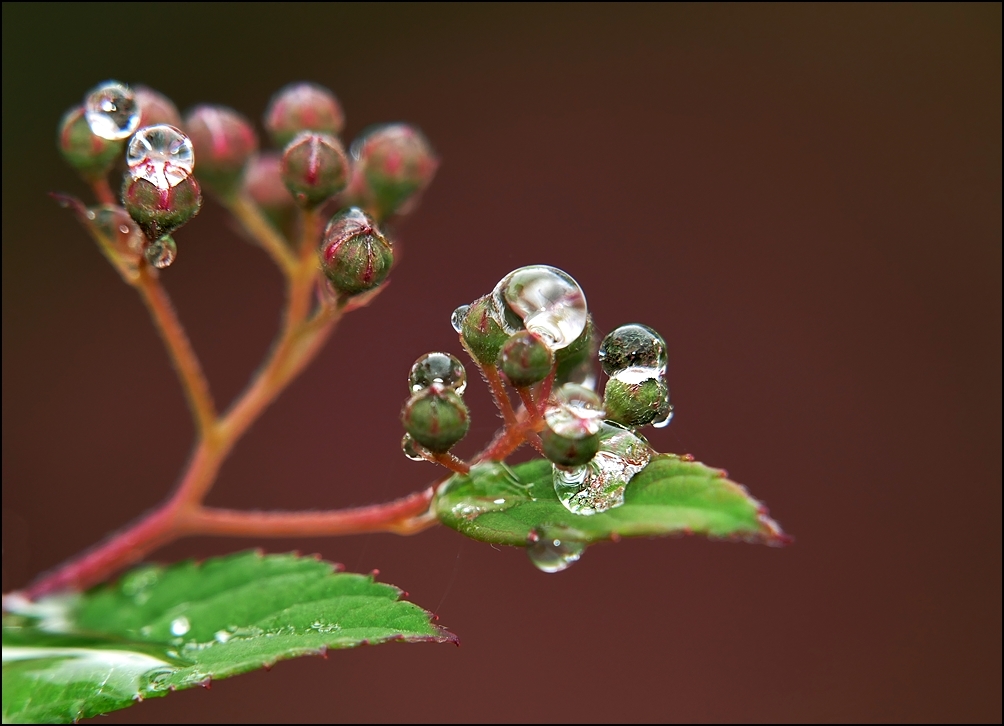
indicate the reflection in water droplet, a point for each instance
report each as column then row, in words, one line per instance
column 162, row 252
column 634, row 351
column 547, row 301
column 575, row 412
column 437, row 368
column 457, row 319
column 111, row 111
column 180, row 626
column 408, row 447
column 549, row 553
column 162, row 155
column 599, row 485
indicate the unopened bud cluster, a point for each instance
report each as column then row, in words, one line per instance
column 435, row 416
column 535, row 329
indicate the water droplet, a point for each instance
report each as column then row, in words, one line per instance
column 547, row 301
column 574, row 412
column 633, row 353
column 180, row 626
column 162, row 155
column 115, row 224
column 111, row 111
column 550, row 553
column 599, row 485
column 457, row 319
column 665, row 415
column 440, row 368
column 408, row 447
column 222, row 636
column 162, row 252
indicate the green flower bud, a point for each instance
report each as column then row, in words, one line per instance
column 355, row 256
column 159, row 211
column 525, row 359
column 314, row 168
column 636, row 404
column 224, row 141
column 482, row 335
column 573, row 422
column 393, row 164
column 436, row 417
column 86, row 152
column 569, row 450
column 303, row 107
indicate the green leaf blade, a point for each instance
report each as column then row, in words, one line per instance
column 165, row 628
column 673, row 495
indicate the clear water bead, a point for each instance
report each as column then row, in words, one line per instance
column 599, row 485
column 665, row 415
column 550, row 553
column 162, row 155
column 162, row 252
column 633, row 353
column 437, row 368
column 575, row 412
column 408, row 447
column 457, row 319
column 111, row 111
column 547, row 301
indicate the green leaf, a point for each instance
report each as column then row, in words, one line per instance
column 164, row 628
column 672, row 495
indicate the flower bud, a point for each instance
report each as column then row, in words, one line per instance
column 569, row 450
column 303, row 107
column 393, row 165
column 224, row 141
column 636, row 404
column 436, row 417
column 263, row 182
column 314, row 168
column 155, row 108
column 160, row 210
column 573, row 419
column 525, row 359
column 482, row 335
column 86, row 152
column 355, row 256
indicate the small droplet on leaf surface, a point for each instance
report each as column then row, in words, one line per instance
column 180, row 626
column 162, row 155
column 440, row 368
column 111, row 111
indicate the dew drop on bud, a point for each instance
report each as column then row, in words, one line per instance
column 111, row 111
column 633, row 353
column 457, row 319
column 550, row 553
column 548, row 302
column 408, row 447
column 664, row 416
column 441, row 368
column 162, row 252
column 599, row 485
column 161, row 154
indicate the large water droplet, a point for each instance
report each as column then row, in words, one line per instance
column 457, row 319
column 599, row 485
column 550, row 553
column 180, row 626
column 547, row 301
column 575, row 412
column 408, row 447
column 633, row 353
column 162, row 252
column 111, row 111
column 440, row 368
column 162, row 155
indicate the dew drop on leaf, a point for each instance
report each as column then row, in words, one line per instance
column 111, row 111
column 550, row 553
column 599, row 485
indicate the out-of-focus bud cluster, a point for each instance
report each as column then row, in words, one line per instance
column 390, row 167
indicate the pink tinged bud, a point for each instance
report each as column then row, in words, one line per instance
column 89, row 154
column 394, row 164
column 155, row 108
column 263, row 182
column 355, row 256
column 303, row 107
column 159, row 210
column 224, row 141
column 314, row 168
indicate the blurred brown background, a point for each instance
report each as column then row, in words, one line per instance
column 805, row 201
